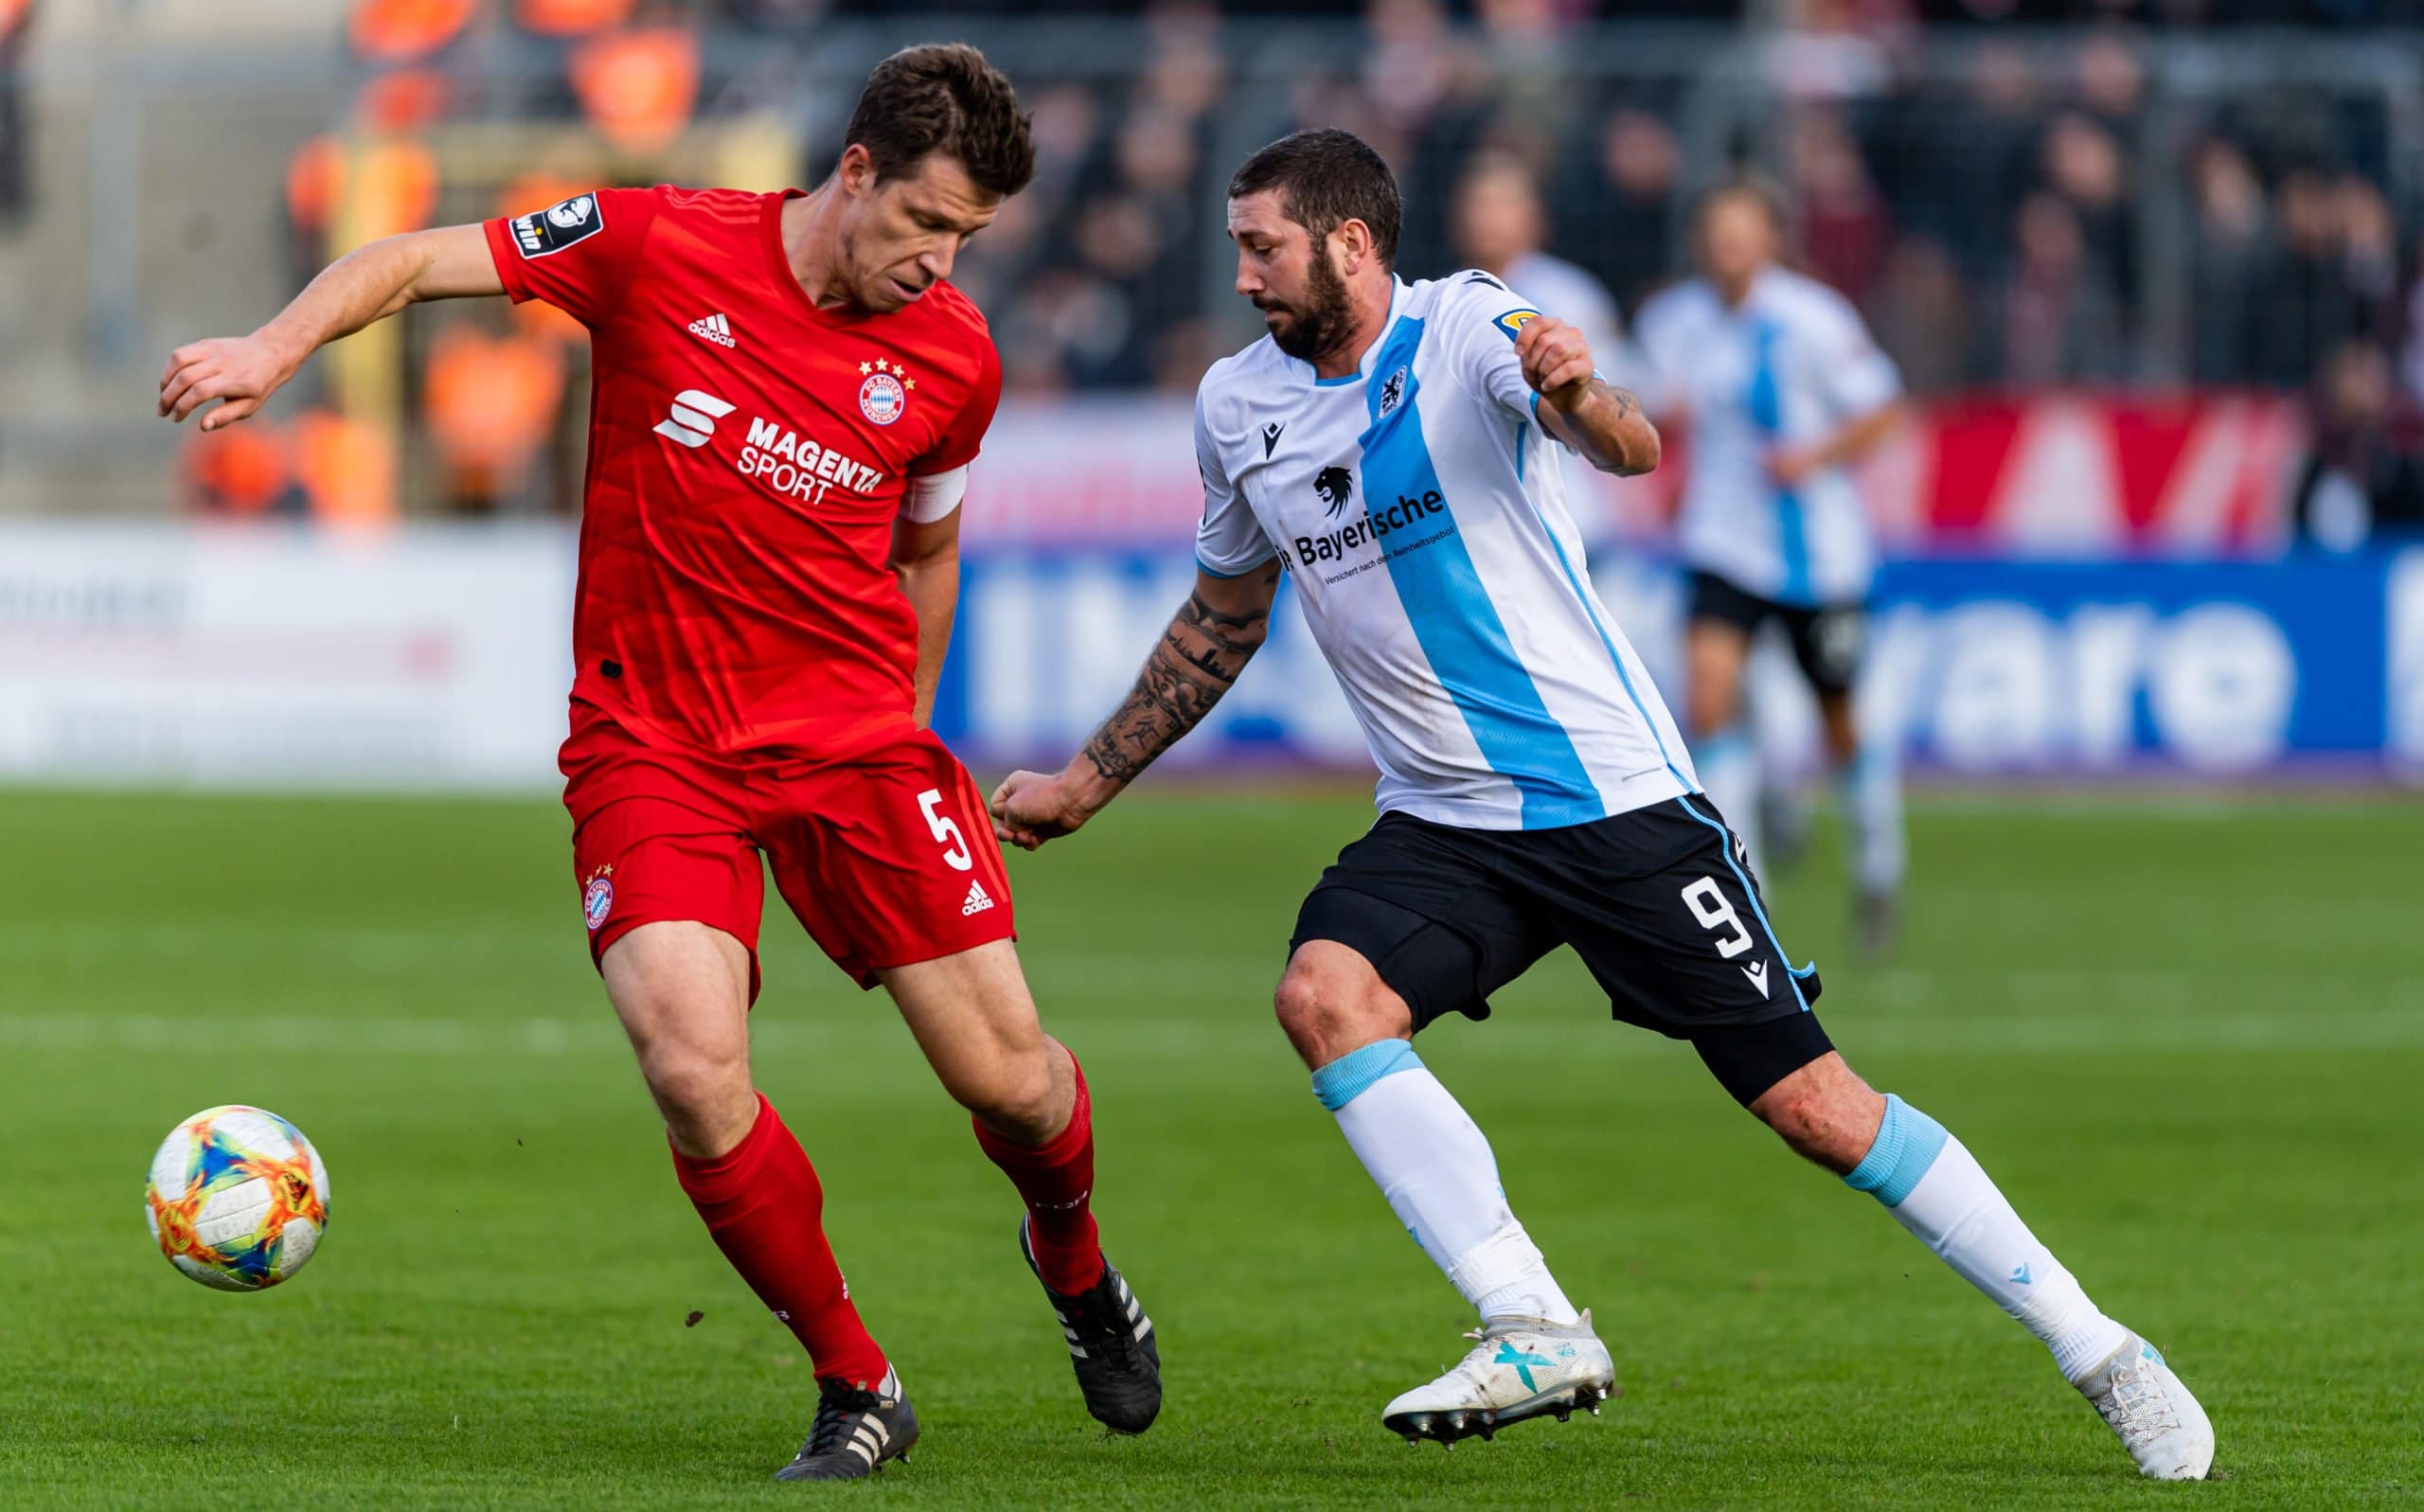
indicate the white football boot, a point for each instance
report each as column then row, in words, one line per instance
column 2156, row 1418
column 1522, row 1367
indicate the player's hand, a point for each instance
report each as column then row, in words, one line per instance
column 1792, row 466
column 239, row 371
column 1556, row 360
column 1030, row 808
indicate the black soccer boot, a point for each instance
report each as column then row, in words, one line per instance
column 856, row 1433
column 1110, row 1345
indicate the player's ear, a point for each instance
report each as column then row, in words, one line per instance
column 855, row 171
column 1354, row 245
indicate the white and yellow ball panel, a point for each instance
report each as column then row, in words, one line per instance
column 238, row 1197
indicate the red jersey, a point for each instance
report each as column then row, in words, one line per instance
column 748, row 454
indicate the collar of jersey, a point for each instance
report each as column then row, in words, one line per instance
column 779, row 263
column 1754, row 299
column 1363, row 363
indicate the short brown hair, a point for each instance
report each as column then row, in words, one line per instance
column 1743, row 183
column 945, row 97
column 1327, row 177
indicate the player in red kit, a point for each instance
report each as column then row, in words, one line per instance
column 787, row 396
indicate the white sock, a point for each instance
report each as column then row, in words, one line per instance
column 1437, row 1170
column 1728, row 765
column 1871, row 788
column 1936, row 1188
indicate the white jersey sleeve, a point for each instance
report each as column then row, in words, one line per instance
column 1484, row 317
column 1229, row 541
column 1658, row 336
column 1854, row 374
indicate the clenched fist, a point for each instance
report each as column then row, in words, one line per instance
column 1030, row 808
column 1556, row 360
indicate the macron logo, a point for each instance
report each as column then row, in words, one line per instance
column 715, row 328
column 694, row 417
column 977, row 902
column 1758, row 975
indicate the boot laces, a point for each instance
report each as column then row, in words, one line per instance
column 2138, row 1407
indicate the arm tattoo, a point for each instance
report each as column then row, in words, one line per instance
column 1197, row 659
column 1602, row 439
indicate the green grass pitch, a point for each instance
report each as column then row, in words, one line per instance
column 2188, row 1041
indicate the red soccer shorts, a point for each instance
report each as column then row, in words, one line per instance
column 886, row 858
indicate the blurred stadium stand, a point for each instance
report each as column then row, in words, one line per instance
column 2152, row 268
column 2144, row 197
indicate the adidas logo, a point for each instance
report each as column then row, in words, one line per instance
column 715, row 328
column 977, row 902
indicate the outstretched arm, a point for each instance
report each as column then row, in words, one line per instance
column 1207, row 644
column 364, row 285
column 1850, row 442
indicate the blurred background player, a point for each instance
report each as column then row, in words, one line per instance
column 1783, row 391
column 1385, row 444
column 789, row 395
column 1497, row 222
column 1499, row 225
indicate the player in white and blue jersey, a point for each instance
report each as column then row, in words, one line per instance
column 1783, row 390
column 1388, row 444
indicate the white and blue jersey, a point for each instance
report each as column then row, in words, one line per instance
column 1787, row 367
column 1418, row 505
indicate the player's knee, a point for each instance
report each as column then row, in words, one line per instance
column 1015, row 1098
column 1839, row 727
column 688, row 1072
column 705, row 1095
column 1827, row 1113
column 1325, row 1017
column 1710, row 707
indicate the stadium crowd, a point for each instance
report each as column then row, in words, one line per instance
column 2010, row 212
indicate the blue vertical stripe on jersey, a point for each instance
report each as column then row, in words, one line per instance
column 1765, row 401
column 1455, row 623
column 1591, row 609
column 1726, row 843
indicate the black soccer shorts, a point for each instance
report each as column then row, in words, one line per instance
column 1659, row 902
column 1828, row 641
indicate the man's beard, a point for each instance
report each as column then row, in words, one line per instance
column 1324, row 322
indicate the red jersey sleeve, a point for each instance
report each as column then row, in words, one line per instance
column 578, row 254
column 965, row 437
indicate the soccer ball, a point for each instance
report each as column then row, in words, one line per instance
column 238, row 1197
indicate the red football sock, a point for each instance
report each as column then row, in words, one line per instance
column 764, row 1206
column 1057, row 1179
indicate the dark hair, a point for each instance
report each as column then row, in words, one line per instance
column 1327, row 177
column 1742, row 184
column 945, row 97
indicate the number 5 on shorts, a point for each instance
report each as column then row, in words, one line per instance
column 947, row 832
column 1710, row 906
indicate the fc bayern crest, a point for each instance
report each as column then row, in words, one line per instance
column 884, row 392
column 597, row 901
